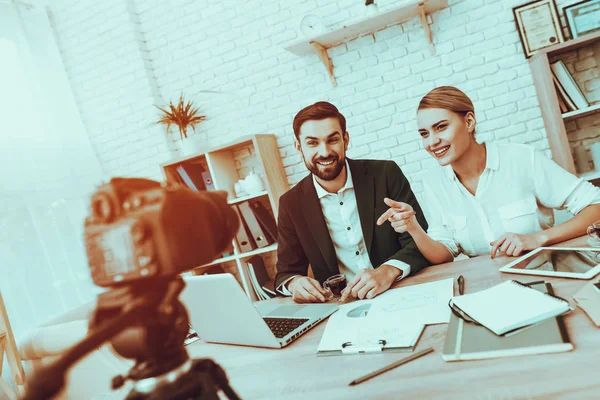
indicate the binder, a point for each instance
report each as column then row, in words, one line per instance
column 191, row 174
column 241, row 237
column 256, row 231
column 208, row 181
column 468, row 341
column 265, row 219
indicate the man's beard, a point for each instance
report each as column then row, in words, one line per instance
column 328, row 173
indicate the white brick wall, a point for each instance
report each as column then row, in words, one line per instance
column 123, row 56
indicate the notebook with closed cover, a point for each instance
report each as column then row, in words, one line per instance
column 508, row 306
column 468, row 341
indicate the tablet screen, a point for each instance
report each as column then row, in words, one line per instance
column 574, row 261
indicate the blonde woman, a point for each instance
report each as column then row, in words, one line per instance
column 487, row 197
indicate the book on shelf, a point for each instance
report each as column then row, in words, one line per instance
column 508, row 307
column 568, row 84
column 564, row 101
column 263, row 285
column 468, row 341
column 191, row 175
column 561, row 103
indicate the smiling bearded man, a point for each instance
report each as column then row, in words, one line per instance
column 328, row 220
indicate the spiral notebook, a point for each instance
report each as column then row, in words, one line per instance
column 507, row 307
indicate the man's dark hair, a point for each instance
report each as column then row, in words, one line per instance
column 319, row 110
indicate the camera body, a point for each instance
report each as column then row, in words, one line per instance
column 139, row 229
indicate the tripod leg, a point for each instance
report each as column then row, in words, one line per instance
column 218, row 375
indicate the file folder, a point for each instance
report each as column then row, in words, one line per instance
column 256, row 231
column 242, row 238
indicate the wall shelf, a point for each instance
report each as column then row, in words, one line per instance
column 240, row 256
column 569, row 45
column 249, row 197
column 402, row 13
column 581, row 113
column 261, row 250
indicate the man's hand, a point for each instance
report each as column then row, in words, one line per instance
column 307, row 290
column 513, row 244
column 400, row 215
column 368, row 283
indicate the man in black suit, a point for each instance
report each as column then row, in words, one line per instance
column 328, row 220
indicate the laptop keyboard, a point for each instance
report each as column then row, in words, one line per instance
column 282, row 326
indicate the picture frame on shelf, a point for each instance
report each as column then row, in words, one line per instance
column 582, row 17
column 538, row 25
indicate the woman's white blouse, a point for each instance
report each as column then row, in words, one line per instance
column 516, row 193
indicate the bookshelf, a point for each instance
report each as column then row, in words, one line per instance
column 558, row 124
column 228, row 164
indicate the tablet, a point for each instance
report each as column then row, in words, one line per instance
column 566, row 262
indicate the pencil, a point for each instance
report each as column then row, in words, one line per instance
column 391, row 366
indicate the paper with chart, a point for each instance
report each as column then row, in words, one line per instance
column 352, row 324
column 423, row 304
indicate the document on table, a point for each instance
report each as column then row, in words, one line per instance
column 352, row 326
column 424, row 304
column 397, row 317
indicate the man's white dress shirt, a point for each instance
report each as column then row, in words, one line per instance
column 343, row 223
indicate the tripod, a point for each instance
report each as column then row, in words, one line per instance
column 145, row 322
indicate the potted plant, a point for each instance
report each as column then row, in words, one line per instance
column 183, row 115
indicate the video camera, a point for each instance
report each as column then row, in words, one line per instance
column 139, row 230
column 140, row 235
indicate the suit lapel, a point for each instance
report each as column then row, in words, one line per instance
column 311, row 207
column 364, row 190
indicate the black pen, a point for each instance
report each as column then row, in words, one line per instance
column 461, row 285
column 391, row 366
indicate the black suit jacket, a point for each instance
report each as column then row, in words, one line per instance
column 303, row 237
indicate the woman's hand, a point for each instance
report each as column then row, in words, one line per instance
column 400, row 215
column 513, row 244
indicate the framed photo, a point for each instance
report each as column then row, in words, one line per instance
column 538, row 25
column 583, row 17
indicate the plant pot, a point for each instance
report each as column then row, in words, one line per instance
column 187, row 147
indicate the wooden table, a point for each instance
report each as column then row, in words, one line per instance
column 295, row 372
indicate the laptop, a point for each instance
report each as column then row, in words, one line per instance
column 220, row 312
